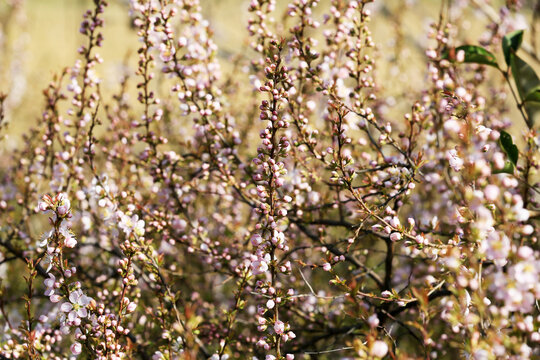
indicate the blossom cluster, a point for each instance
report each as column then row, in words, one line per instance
column 300, row 199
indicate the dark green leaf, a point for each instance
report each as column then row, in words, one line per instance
column 533, row 95
column 526, row 81
column 508, row 146
column 478, row 55
column 511, row 43
column 524, row 75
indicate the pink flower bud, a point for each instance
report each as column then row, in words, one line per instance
column 395, row 236
column 373, row 321
column 131, row 307
column 43, row 206
column 76, row 348
column 525, row 252
column 70, row 242
column 491, row 192
column 63, row 207
column 378, row 349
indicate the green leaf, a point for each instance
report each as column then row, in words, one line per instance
column 507, row 169
column 533, row 95
column 526, row 82
column 477, row 54
column 509, row 147
column 524, row 75
column 511, row 43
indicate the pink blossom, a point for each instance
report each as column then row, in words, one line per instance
column 279, row 327
column 455, row 161
column 256, row 239
column 259, row 267
column 49, row 284
column 76, row 308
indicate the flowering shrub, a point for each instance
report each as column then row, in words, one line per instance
column 299, row 219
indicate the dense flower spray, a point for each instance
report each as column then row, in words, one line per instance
column 299, row 199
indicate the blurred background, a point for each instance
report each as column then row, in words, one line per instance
column 38, row 38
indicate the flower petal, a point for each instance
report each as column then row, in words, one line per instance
column 74, row 296
column 84, row 300
column 66, row 307
column 82, row 312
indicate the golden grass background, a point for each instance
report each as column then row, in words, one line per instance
column 40, row 38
